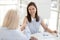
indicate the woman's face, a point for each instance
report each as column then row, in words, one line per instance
column 32, row 10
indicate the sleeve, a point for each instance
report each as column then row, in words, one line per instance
column 40, row 20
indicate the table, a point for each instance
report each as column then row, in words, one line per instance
column 45, row 36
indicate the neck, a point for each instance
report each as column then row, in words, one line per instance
column 33, row 16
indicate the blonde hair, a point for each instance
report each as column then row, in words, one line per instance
column 11, row 19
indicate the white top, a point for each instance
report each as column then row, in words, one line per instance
column 34, row 26
column 6, row 34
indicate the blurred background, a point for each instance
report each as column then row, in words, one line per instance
column 49, row 10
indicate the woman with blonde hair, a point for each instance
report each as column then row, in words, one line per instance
column 9, row 30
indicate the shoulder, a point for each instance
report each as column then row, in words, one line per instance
column 25, row 19
column 40, row 19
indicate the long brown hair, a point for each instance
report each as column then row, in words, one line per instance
column 28, row 14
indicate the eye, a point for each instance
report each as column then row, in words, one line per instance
column 29, row 9
column 32, row 8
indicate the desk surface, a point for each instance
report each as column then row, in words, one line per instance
column 45, row 36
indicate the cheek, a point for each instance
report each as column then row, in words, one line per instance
column 34, row 11
column 30, row 11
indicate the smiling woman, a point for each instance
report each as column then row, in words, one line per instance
column 44, row 11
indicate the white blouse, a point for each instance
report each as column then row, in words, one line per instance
column 34, row 26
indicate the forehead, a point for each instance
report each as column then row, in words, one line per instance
column 32, row 6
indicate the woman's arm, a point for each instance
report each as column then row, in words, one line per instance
column 46, row 27
column 24, row 24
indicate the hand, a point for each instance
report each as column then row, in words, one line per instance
column 55, row 32
column 33, row 38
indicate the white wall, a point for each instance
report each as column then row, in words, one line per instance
column 43, row 8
